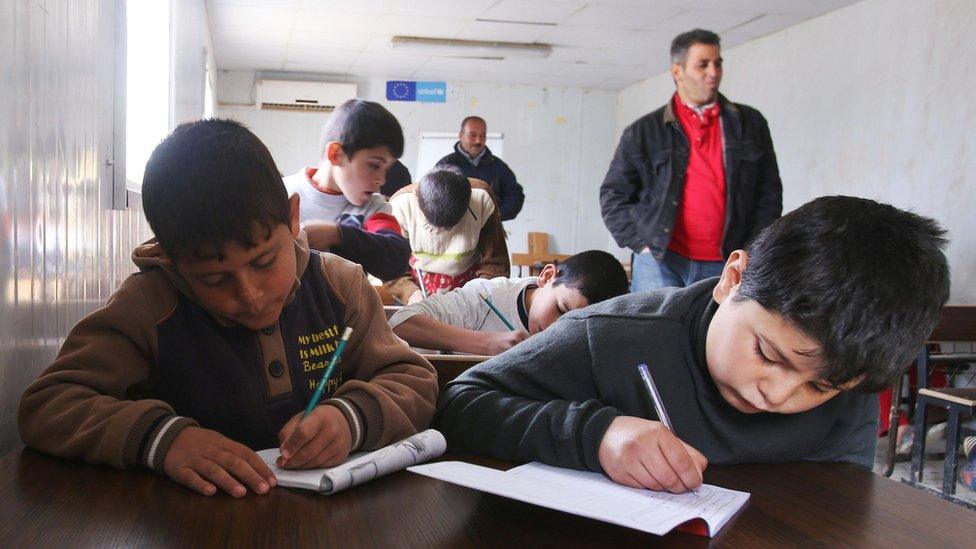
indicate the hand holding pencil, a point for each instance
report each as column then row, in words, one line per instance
column 320, row 436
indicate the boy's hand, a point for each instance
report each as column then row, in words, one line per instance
column 320, row 440
column 415, row 297
column 323, row 235
column 498, row 342
column 641, row 453
column 205, row 460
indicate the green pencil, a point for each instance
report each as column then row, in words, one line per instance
column 317, row 395
column 496, row 311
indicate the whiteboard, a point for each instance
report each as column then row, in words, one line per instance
column 437, row 145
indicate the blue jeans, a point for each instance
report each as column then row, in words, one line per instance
column 649, row 273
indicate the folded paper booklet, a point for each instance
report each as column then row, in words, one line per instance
column 362, row 466
column 593, row 495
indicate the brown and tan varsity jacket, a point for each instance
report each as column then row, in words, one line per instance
column 494, row 260
column 152, row 361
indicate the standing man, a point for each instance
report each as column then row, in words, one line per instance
column 474, row 159
column 693, row 180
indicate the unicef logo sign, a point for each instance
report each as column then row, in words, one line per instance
column 422, row 92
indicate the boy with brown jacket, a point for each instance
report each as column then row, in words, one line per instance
column 213, row 349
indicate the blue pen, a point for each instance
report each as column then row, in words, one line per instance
column 656, row 400
column 317, row 395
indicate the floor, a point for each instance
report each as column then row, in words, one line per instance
column 932, row 469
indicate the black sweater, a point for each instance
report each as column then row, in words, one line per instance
column 552, row 397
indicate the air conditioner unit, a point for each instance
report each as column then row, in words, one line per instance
column 300, row 95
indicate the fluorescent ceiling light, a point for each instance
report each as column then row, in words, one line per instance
column 469, row 48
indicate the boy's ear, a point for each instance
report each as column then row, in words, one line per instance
column 293, row 214
column 547, row 275
column 334, row 153
column 731, row 276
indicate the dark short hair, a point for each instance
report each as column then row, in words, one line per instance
column 596, row 274
column 864, row 279
column 472, row 119
column 443, row 195
column 685, row 40
column 208, row 183
column 358, row 125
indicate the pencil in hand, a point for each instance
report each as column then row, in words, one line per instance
column 496, row 311
column 336, row 356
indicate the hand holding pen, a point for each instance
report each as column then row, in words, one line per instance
column 640, row 453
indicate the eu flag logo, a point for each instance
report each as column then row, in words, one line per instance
column 401, row 90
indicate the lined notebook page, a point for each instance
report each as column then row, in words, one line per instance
column 594, row 496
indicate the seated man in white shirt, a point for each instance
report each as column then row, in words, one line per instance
column 461, row 321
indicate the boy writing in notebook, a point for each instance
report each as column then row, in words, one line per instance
column 214, row 347
column 455, row 234
column 341, row 208
column 773, row 361
column 461, row 321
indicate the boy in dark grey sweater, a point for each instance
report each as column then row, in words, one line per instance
column 775, row 360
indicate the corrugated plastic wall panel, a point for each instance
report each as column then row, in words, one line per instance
column 63, row 249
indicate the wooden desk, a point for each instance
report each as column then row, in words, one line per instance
column 49, row 502
column 449, row 367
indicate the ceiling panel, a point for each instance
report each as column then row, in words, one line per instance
column 328, row 40
column 604, row 44
column 768, row 23
column 248, row 51
column 717, row 21
column 621, row 17
column 532, row 11
column 250, row 35
column 250, row 16
column 504, row 32
column 296, row 55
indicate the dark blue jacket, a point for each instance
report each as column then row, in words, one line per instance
column 496, row 173
column 642, row 191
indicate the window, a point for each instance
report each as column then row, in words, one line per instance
column 147, row 88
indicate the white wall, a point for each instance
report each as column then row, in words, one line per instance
column 872, row 100
column 558, row 141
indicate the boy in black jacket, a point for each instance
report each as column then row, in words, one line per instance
column 773, row 361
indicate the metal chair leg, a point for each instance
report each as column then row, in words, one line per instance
column 918, row 444
column 951, row 456
column 892, row 428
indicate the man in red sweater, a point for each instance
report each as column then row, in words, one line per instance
column 693, row 180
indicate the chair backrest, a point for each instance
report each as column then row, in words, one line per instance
column 449, row 367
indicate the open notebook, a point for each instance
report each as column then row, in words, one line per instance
column 595, row 496
column 362, row 466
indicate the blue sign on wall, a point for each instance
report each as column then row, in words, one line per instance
column 423, row 92
column 432, row 92
column 401, row 90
